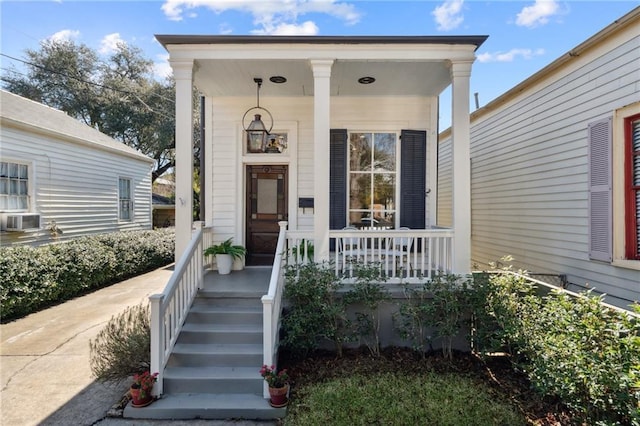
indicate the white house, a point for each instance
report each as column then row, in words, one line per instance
column 555, row 168
column 355, row 121
column 58, row 173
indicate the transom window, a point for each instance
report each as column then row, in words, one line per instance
column 372, row 179
column 125, row 201
column 14, row 186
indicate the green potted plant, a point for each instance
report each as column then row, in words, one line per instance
column 278, row 382
column 225, row 253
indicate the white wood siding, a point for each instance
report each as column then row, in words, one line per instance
column 363, row 113
column 77, row 186
column 529, row 185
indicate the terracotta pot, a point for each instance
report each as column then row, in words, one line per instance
column 279, row 396
column 138, row 400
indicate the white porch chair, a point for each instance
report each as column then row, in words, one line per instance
column 401, row 250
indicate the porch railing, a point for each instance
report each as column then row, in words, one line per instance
column 272, row 303
column 409, row 255
column 170, row 308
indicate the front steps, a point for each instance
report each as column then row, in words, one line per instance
column 214, row 369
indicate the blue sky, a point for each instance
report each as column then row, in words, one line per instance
column 524, row 36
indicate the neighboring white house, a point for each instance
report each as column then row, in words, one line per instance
column 355, row 119
column 555, row 168
column 56, row 172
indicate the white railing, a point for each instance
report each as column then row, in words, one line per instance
column 272, row 304
column 408, row 255
column 170, row 308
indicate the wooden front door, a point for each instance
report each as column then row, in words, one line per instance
column 266, row 206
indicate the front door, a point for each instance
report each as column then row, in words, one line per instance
column 266, row 206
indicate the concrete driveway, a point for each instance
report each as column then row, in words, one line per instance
column 44, row 357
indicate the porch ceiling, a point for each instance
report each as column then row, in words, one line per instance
column 234, row 77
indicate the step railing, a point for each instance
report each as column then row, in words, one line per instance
column 169, row 309
column 272, row 304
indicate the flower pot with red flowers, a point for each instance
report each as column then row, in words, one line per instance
column 278, row 382
column 141, row 389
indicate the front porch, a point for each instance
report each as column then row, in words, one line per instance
column 210, row 333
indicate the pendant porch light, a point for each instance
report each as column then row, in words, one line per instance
column 257, row 134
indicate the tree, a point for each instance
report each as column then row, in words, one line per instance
column 118, row 97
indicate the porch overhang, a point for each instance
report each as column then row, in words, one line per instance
column 226, row 65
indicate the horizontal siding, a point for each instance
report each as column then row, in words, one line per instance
column 444, row 215
column 379, row 113
column 529, row 173
column 77, row 186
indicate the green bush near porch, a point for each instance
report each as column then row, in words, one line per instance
column 32, row 278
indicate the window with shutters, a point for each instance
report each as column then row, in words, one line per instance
column 372, row 163
column 632, row 187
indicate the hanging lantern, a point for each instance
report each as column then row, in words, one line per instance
column 257, row 134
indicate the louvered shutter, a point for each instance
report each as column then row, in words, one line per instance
column 600, row 204
column 633, row 189
column 338, row 179
column 413, row 167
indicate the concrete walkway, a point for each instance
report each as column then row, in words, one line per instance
column 44, row 360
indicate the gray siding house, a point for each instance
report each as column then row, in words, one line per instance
column 555, row 168
column 58, row 174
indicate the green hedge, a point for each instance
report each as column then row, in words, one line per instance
column 571, row 347
column 32, row 278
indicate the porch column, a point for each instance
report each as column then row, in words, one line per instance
column 183, row 75
column 321, row 127
column 461, row 73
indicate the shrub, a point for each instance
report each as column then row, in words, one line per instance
column 574, row 348
column 123, row 347
column 32, row 278
column 316, row 311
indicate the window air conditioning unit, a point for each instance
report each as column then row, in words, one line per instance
column 20, row 221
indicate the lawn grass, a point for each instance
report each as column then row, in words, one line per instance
column 387, row 398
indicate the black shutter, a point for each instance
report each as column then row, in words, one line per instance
column 413, row 167
column 600, row 203
column 338, row 179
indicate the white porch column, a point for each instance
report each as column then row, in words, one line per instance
column 183, row 74
column 321, row 128
column 460, row 128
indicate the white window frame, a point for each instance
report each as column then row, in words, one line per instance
column 129, row 200
column 396, row 210
column 619, row 219
column 30, row 185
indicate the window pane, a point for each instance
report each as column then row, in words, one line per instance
column 4, row 202
column 4, row 186
column 13, row 187
column 384, row 190
column 385, row 152
column 359, row 191
column 4, row 169
column 360, row 152
column 22, row 187
column 13, row 170
column 267, row 196
column 23, row 171
column 23, row 203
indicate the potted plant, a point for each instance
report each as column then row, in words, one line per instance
column 141, row 389
column 278, row 382
column 225, row 253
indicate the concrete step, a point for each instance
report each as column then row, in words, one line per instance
column 222, row 355
column 184, row 406
column 221, row 333
column 213, row 380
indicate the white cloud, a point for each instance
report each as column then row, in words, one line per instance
column 162, row 68
column 271, row 16
column 509, row 56
column 109, row 43
column 65, row 35
column 448, row 15
column 307, row 28
column 538, row 13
